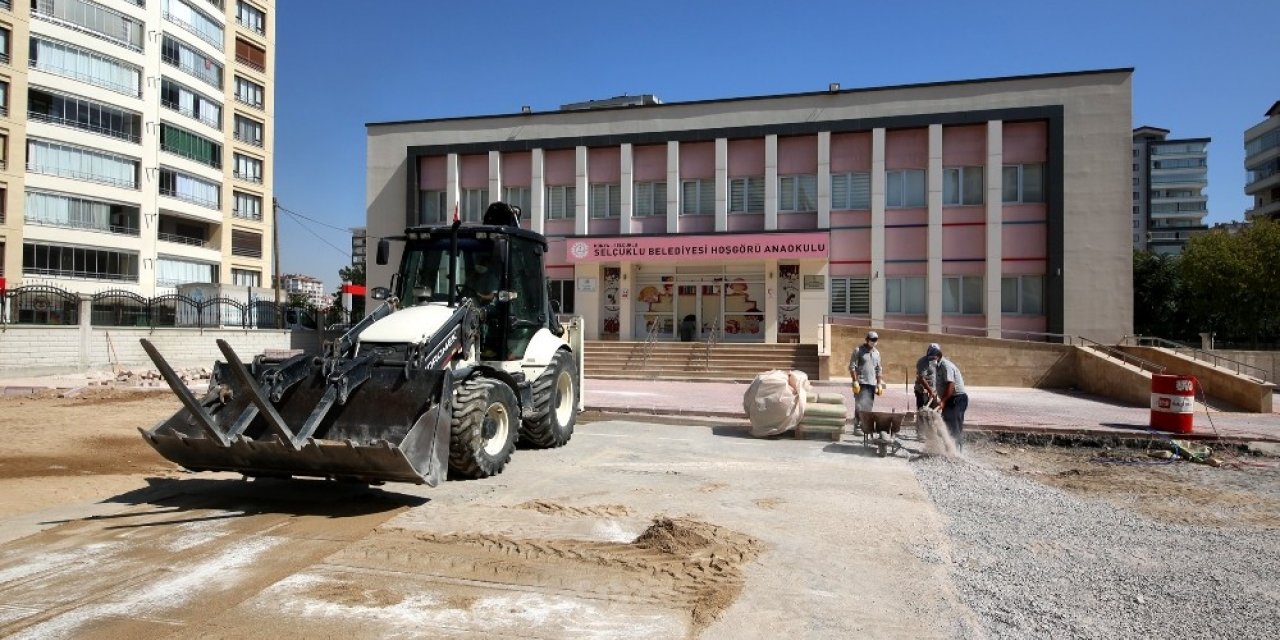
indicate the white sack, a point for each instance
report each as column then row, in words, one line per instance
column 775, row 401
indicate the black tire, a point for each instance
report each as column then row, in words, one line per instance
column 480, row 401
column 555, row 400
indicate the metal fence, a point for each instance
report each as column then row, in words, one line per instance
column 51, row 306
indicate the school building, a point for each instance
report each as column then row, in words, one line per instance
column 993, row 207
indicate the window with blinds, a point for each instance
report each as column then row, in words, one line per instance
column 1025, row 183
column 249, row 92
column 246, row 278
column 962, row 185
column 905, row 296
column 562, row 200
column 190, row 103
column 193, row 20
column 81, row 163
column 247, row 206
column 176, row 184
column 93, row 18
column 247, row 168
column 605, row 200
column 70, row 61
column 851, row 296
column 650, row 199
column 962, row 295
column 746, row 195
column 250, row 55
column 798, row 193
column 698, row 197
column 518, row 197
column 247, row 244
column 190, row 145
column 248, row 130
column 904, row 189
column 472, row 203
column 178, row 54
column 850, row 191
column 431, row 208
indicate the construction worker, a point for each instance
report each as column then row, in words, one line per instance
column 953, row 397
column 926, row 375
column 864, row 368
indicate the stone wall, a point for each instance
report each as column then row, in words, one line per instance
column 1220, row 383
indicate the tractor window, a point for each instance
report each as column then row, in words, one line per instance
column 426, row 271
column 528, row 310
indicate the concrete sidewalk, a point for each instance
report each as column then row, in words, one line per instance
column 991, row 409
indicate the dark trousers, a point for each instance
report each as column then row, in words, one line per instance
column 922, row 399
column 953, row 416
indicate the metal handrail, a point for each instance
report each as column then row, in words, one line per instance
column 1120, row 355
column 1197, row 353
column 709, row 343
column 907, row 325
column 181, row 239
column 649, row 340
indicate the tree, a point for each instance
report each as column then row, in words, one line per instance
column 1232, row 282
column 1157, row 288
column 353, row 274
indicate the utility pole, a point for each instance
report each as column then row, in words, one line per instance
column 275, row 257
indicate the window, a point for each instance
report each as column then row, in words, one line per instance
column 5, row 39
column 249, row 92
column 1024, row 294
column 70, row 61
column 1135, row 211
column 247, row 168
column 562, row 201
column 962, row 186
column 251, row 17
column 851, row 295
column 746, row 195
column 250, row 55
column 189, row 145
column 562, row 291
column 176, row 184
column 962, row 295
column 431, row 207
column 193, row 20
column 247, row 244
column 605, row 200
column 78, row 262
column 189, row 103
column 904, row 189
column 247, row 206
column 650, row 199
column 81, row 163
column 850, row 191
column 62, row 210
column 93, row 19
column 171, row 272
column 698, row 197
column 905, row 296
column 246, row 277
column 248, row 130
column 178, row 54
column 1025, row 183
column 472, row 203
column 1135, row 167
column 798, row 193
column 84, row 114
column 518, row 197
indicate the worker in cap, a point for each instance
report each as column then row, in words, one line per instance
column 926, row 374
column 864, row 368
column 952, row 397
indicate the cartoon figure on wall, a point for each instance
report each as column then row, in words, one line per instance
column 788, row 299
column 609, row 323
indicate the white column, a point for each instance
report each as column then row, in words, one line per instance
column 877, row 227
column 495, row 176
column 771, row 301
column 583, row 186
column 995, row 224
column 626, row 310
column 537, row 192
column 824, row 179
column 452, row 192
column 770, row 182
column 627, row 183
column 722, row 184
column 933, row 286
column 673, row 186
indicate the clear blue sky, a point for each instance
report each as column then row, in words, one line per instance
column 1203, row 69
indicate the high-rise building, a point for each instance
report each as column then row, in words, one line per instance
column 1262, row 161
column 358, row 241
column 147, row 132
column 296, row 284
column 1169, row 179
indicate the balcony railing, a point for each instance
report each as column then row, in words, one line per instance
column 212, row 79
column 1258, row 175
column 63, row 172
column 89, row 78
column 187, row 197
column 181, row 239
column 248, row 177
column 247, row 215
column 194, row 30
column 87, row 226
column 45, row 10
column 84, row 126
column 250, row 63
column 246, row 252
column 216, row 163
column 216, row 123
column 255, row 141
column 243, row 100
column 4, row 58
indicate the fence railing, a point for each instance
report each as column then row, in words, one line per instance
column 1241, row 368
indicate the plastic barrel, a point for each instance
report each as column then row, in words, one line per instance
column 1173, row 403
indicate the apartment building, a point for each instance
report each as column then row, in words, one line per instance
column 1169, row 179
column 147, row 131
column 359, row 246
column 1262, row 164
column 984, row 207
column 308, row 287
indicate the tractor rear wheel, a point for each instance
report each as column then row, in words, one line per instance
column 483, row 428
column 555, row 400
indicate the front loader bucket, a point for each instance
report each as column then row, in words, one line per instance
column 289, row 419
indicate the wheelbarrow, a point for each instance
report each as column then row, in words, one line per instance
column 880, row 431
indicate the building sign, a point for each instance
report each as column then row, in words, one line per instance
column 678, row 248
column 812, row 283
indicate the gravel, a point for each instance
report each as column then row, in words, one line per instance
column 1033, row 561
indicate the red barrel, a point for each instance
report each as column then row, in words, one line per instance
column 1173, row 402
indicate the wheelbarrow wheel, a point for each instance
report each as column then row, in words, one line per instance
column 882, row 449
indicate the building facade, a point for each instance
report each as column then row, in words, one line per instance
column 984, row 207
column 308, row 287
column 1262, row 165
column 137, row 142
column 358, row 246
column 1169, row 182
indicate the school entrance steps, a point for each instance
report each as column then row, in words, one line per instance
column 725, row 361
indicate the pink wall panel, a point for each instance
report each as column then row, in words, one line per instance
column 697, row 160
column 559, row 167
column 433, row 173
column 746, row 157
column 1025, row 142
column 974, row 321
column 649, row 224
column 649, row 162
column 964, row 146
column 1021, row 267
column 850, row 245
column 850, row 219
column 798, row 221
column 894, row 217
column 473, row 171
column 906, row 149
column 1012, row 212
column 906, row 269
column 907, row 323
column 747, row 222
column 965, row 268
column 1013, row 323
column 906, row 243
column 604, row 227
column 797, row 154
column 556, row 258
column 517, row 169
column 604, row 164
column 968, row 241
column 963, row 215
column 558, row 227
column 697, row 224
column 850, row 152
column 1024, row 241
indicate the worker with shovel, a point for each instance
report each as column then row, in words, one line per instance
column 926, row 374
column 864, row 368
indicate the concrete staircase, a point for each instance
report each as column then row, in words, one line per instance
column 691, row 361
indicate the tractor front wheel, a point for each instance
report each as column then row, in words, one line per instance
column 483, row 428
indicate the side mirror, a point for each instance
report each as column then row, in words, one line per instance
column 384, row 252
column 381, row 293
column 500, row 245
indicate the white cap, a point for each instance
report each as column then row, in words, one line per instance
column 871, row 335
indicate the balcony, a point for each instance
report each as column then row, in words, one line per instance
column 216, row 123
column 250, row 63
column 187, row 197
column 130, row 228
column 181, row 239
column 248, row 177
column 1263, row 177
column 255, row 141
column 129, row 136
column 1267, row 210
column 194, row 30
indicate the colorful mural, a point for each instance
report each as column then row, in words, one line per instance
column 788, row 299
column 609, row 323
